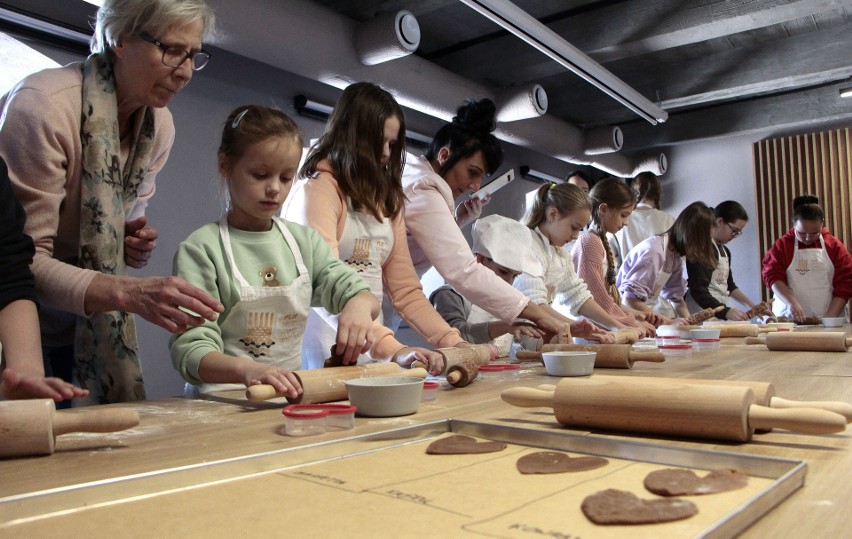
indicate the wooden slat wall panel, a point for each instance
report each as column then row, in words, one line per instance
column 786, row 167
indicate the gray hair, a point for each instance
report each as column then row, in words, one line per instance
column 132, row 17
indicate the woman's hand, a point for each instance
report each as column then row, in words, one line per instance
column 355, row 326
column 470, row 210
column 15, row 385
column 651, row 317
column 284, row 381
column 164, row 301
column 433, row 361
column 736, row 314
column 139, row 242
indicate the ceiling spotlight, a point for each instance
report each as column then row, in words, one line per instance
column 386, row 37
column 532, row 174
column 846, row 92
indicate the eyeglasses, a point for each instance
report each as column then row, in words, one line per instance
column 174, row 56
column 734, row 230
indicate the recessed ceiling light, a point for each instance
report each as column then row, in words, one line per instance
column 846, row 92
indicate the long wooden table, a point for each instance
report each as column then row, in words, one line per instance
column 42, row 496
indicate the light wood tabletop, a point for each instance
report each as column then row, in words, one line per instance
column 37, row 494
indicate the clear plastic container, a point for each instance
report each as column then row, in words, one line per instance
column 666, row 340
column 430, row 391
column 490, row 373
column 304, row 420
column 706, row 344
column 511, row 372
column 682, row 349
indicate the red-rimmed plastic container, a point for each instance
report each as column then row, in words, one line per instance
column 430, row 391
column 302, row 420
column 511, row 372
column 490, row 373
column 682, row 349
column 706, row 344
column 340, row 416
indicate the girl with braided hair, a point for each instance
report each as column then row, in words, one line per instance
column 594, row 260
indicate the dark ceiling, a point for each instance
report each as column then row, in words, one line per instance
column 684, row 55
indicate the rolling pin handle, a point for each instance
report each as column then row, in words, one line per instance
column 528, row 397
column 111, row 420
column 754, row 340
column 645, row 355
column 261, row 392
column 838, row 407
column 527, row 355
column 848, row 342
column 418, row 364
column 806, row 420
column 415, row 372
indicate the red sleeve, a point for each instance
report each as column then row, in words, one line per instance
column 776, row 261
column 842, row 261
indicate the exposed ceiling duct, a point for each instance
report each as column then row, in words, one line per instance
column 309, row 40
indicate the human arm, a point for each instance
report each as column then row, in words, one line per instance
column 139, row 242
column 785, row 294
column 470, row 210
column 429, row 222
column 406, row 293
column 451, row 306
column 23, row 372
column 219, row 368
column 355, row 326
column 698, row 277
column 842, row 280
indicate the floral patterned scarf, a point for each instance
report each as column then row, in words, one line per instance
column 107, row 362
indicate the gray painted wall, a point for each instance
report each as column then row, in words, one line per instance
column 187, row 188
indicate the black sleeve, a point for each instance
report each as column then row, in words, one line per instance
column 16, row 248
column 451, row 306
column 698, row 282
column 731, row 284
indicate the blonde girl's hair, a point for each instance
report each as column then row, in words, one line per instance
column 565, row 197
column 117, row 18
column 353, row 140
column 615, row 194
column 689, row 236
column 249, row 124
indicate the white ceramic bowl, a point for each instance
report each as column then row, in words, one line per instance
column 385, row 396
column 569, row 363
column 708, row 333
column 833, row 322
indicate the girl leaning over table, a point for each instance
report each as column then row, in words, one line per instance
column 652, row 276
column 808, row 269
column 558, row 214
column 352, row 195
column 266, row 272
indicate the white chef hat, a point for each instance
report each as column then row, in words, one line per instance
column 506, row 242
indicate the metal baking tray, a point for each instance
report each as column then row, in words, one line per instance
column 785, row 475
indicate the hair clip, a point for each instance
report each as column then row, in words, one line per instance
column 552, row 185
column 239, row 117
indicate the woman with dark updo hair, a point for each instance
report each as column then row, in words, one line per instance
column 808, row 269
column 461, row 154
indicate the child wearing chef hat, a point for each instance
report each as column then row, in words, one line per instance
column 503, row 246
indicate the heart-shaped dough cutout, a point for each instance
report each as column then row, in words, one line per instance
column 547, row 462
column 459, row 444
column 679, row 482
column 619, row 507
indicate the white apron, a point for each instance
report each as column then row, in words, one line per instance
column 810, row 276
column 364, row 246
column 268, row 322
column 655, row 301
column 503, row 342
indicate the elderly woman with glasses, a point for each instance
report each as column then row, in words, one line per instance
column 84, row 144
column 808, row 269
column 711, row 287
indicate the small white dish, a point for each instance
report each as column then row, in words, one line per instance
column 573, row 363
column 385, row 396
column 834, row 322
column 704, row 333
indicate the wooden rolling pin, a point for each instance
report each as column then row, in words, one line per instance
column 327, row 384
column 478, row 353
column 735, row 330
column 30, row 427
column 652, row 407
column 462, row 374
column 608, row 356
column 808, row 341
column 764, row 393
column 704, row 314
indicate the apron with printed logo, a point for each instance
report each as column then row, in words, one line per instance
column 810, row 276
column 364, row 246
column 268, row 322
